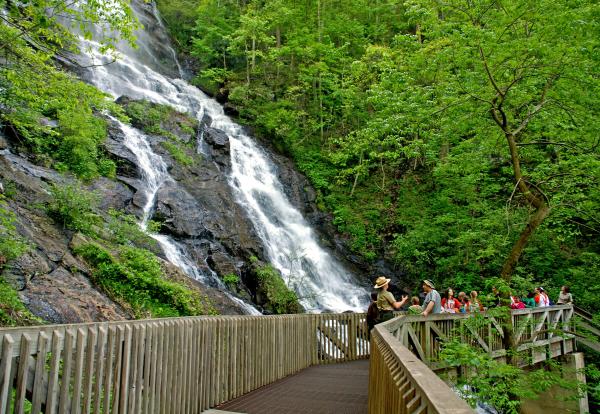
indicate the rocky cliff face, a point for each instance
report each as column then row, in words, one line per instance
column 196, row 208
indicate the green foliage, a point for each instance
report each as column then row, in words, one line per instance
column 53, row 113
column 12, row 244
column 165, row 121
column 231, row 279
column 279, row 299
column 12, row 310
column 388, row 110
column 134, row 277
column 74, row 207
column 180, row 18
column 492, row 381
column 178, row 153
column 125, row 230
column 159, row 119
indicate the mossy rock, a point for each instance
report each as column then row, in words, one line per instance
column 271, row 292
column 157, row 119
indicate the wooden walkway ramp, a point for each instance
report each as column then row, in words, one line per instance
column 324, row 389
column 245, row 364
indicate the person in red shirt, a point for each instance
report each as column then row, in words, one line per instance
column 516, row 303
column 449, row 303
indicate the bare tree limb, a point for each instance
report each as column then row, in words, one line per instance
column 489, row 73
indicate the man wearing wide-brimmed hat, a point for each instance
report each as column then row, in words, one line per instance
column 433, row 301
column 386, row 303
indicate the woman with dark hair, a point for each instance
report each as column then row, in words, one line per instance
column 564, row 297
column 449, row 303
column 529, row 301
column 372, row 312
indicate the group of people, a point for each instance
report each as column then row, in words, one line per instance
column 539, row 299
column 383, row 302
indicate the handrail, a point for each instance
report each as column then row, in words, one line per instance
column 399, row 384
column 166, row 365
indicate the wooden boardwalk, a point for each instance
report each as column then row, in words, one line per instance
column 324, row 389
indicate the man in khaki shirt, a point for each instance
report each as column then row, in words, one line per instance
column 386, row 303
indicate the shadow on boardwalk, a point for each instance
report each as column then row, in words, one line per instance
column 324, row 389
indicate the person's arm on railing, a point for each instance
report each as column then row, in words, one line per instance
column 428, row 308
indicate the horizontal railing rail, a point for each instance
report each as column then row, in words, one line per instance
column 165, row 365
column 405, row 351
column 399, row 382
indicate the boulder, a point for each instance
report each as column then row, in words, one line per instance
column 65, row 297
column 230, row 110
column 179, row 212
column 218, row 146
column 113, row 194
column 125, row 159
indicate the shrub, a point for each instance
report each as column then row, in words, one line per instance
column 125, row 229
column 135, row 277
column 12, row 310
column 159, row 119
column 279, row 299
column 231, row 279
column 177, row 153
column 73, row 207
column 11, row 244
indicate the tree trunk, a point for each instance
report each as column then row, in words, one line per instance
column 538, row 201
column 513, row 258
column 253, row 53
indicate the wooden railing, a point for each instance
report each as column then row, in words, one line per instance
column 182, row 365
column 406, row 350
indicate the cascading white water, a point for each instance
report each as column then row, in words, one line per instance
column 154, row 174
column 319, row 279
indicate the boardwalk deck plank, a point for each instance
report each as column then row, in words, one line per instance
column 331, row 388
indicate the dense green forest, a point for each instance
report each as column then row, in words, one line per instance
column 458, row 139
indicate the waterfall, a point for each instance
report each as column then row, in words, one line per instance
column 320, row 281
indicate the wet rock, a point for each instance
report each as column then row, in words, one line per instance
column 65, row 297
column 297, row 188
column 113, row 194
column 224, row 264
column 218, row 145
column 26, row 267
column 178, row 212
column 29, row 173
column 50, row 123
column 230, row 110
column 222, row 96
column 206, row 120
column 126, row 160
column 216, row 138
